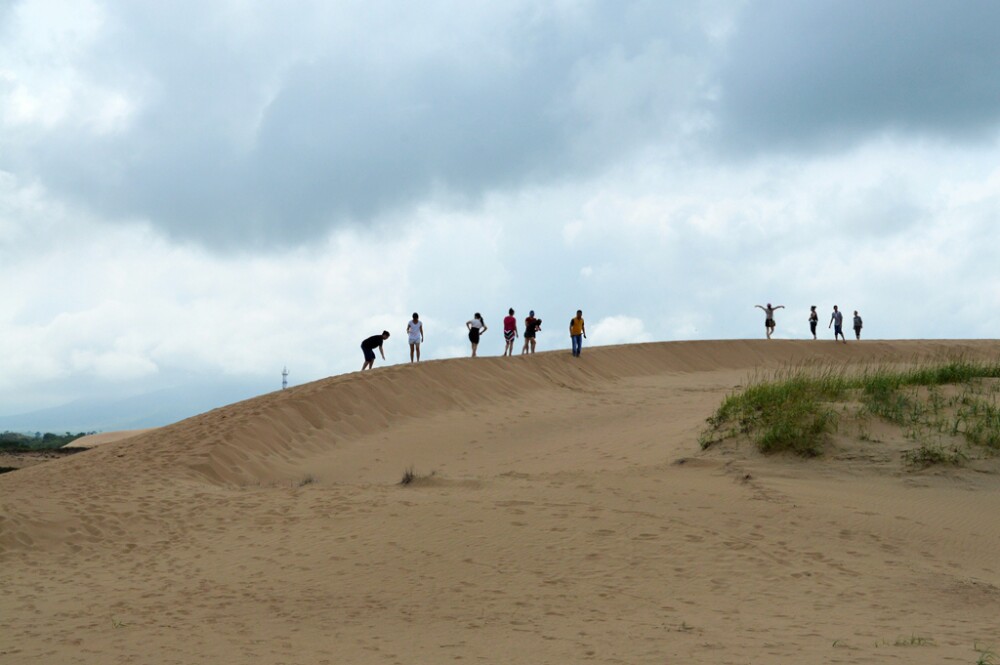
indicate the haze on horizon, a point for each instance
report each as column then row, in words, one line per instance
column 201, row 193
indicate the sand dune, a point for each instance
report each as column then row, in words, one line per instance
column 99, row 439
column 563, row 512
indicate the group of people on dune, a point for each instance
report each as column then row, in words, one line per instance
column 477, row 328
column 836, row 321
column 577, row 332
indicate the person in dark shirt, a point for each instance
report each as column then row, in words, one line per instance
column 531, row 328
column 368, row 348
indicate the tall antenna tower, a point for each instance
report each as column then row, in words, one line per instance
column 284, row 378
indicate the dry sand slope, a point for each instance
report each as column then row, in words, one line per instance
column 94, row 440
column 557, row 527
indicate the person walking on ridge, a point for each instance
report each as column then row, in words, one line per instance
column 769, row 317
column 577, row 332
column 415, row 335
column 857, row 325
column 368, row 348
column 531, row 328
column 837, row 321
column 813, row 320
column 509, row 332
column 476, row 328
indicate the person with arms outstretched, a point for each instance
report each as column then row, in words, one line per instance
column 415, row 335
column 368, row 348
column 769, row 317
column 837, row 321
column 577, row 332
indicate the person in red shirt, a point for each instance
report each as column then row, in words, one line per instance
column 509, row 332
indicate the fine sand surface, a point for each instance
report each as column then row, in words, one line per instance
column 101, row 438
column 570, row 517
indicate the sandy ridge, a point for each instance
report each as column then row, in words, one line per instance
column 559, row 526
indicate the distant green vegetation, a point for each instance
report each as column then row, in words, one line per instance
column 15, row 441
column 944, row 408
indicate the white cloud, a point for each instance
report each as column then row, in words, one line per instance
column 47, row 77
column 618, row 330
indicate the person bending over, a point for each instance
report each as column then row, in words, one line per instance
column 368, row 348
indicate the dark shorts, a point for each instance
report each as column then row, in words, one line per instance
column 769, row 323
column 474, row 335
column 838, row 330
column 369, row 354
column 529, row 335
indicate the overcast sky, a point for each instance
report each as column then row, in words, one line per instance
column 192, row 190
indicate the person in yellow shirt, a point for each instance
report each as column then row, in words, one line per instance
column 577, row 332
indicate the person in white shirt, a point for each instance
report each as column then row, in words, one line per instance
column 415, row 335
column 769, row 317
column 476, row 328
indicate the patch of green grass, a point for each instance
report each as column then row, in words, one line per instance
column 982, row 423
column 789, row 414
column 931, row 455
column 793, row 411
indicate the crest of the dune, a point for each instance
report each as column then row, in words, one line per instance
column 273, row 438
column 99, row 439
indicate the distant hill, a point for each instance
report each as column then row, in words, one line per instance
column 152, row 409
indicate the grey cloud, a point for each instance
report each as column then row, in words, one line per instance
column 802, row 75
column 346, row 144
column 245, row 141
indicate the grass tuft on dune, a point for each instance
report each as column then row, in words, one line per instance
column 945, row 408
